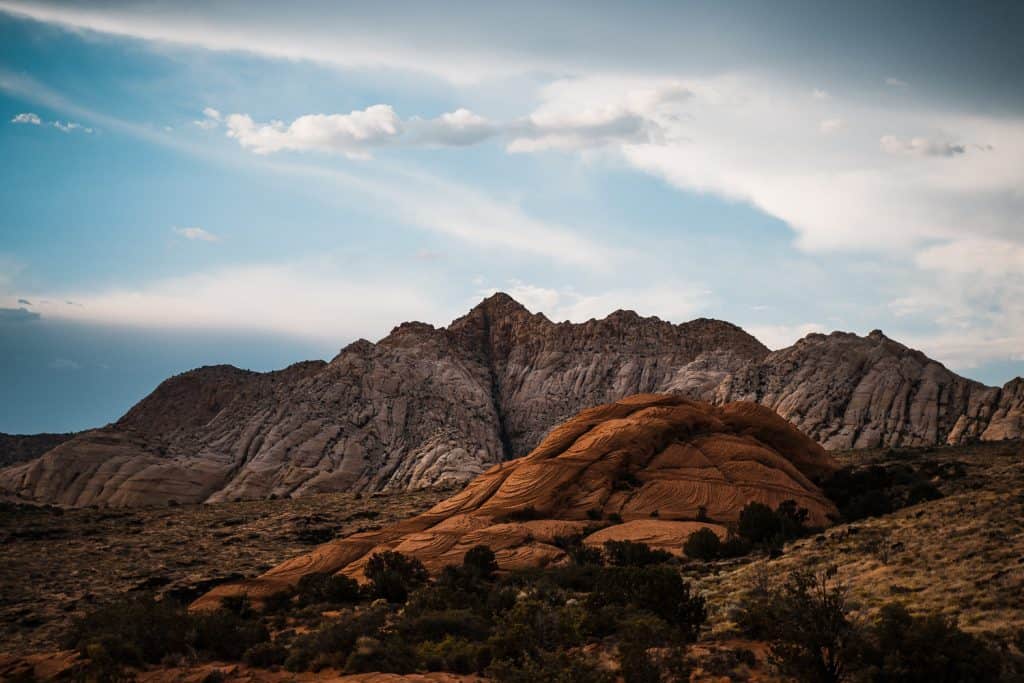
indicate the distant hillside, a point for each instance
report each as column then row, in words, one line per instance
column 430, row 406
column 16, row 448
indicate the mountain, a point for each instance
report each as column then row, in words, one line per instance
column 430, row 406
column 656, row 467
column 15, row 448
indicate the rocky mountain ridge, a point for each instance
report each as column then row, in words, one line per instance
column 429, row 406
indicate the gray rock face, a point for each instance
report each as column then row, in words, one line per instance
column 15, row 448
column 427, row 406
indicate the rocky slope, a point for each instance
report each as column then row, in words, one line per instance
column 657, row 461
column 15, row 448
column 427, row 406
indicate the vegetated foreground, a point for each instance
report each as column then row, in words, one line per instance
column 937, row 531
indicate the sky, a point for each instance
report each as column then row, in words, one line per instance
column 189, row 183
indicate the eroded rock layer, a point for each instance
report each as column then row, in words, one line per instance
column 657, row 461
column 427, row 406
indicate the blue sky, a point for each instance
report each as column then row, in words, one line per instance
column 185, row 184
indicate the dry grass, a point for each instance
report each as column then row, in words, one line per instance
column 54, row 564
column 961, row 556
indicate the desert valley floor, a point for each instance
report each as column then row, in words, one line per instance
column 961, row 555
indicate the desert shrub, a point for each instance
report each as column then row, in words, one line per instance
column 806, row 622
column 225, row 634
column 392, row 575
column 265, row 655
column 925, row 649
column 533, row 627
column 579, row 552
column 594, row 514
column 480, row 562
column 632, row 554
column 658, row 589
column 735, row 546
column 331, row 645
column 792, row 520
column 278, row 602
column 638, row 633
column 758, row 523
column 133, row 630
column 334, row 589
column 390, row 655
column 861, row 492
column 703, row 544
column 558, row 667
column 457, row 655
column 614, row 518
column 436, row 625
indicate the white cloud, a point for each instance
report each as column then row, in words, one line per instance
column 69, row 126
column 819, row 94
column 352, row 134
column 456, row 128
column 746, row 139
column 306, row 299
column 831, row 125
column 63, row 126
column 197, row 234
column 27, row 117
column 211, row 119
column 894, row 82
column 359, row 132
column 64, row 364
column 919, row 146
column 641, row 114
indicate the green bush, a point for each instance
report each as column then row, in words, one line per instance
column 334, row 589
column 926, row 649
column 457, row 655
column 226, row 635
column 265, row 655
column 658, row 589
column 134, row 630
column 703, row 544
column 758, row 523
column 632, row 554
column 390, row 655
column 480, row 561
column 392, row 575
column 331, row 645
column 436, row 625
column 558, row 667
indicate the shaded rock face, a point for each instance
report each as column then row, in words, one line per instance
column 15, row 448
column 657, row 460
column 432, row 406
column 847, row 391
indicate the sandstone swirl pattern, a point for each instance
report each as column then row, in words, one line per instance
column 658, row 461
column 427, row 406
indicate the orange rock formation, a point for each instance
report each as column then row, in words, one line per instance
column 658, row 461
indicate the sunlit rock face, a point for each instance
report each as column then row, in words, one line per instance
column 654, row 464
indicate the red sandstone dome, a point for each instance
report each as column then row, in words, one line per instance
column 657, row 461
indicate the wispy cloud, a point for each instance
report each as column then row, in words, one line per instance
column 196, row 233
column 33, row 119
column 894, row 82
column 27, row 117
column 359, row 132
column 303, row 299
